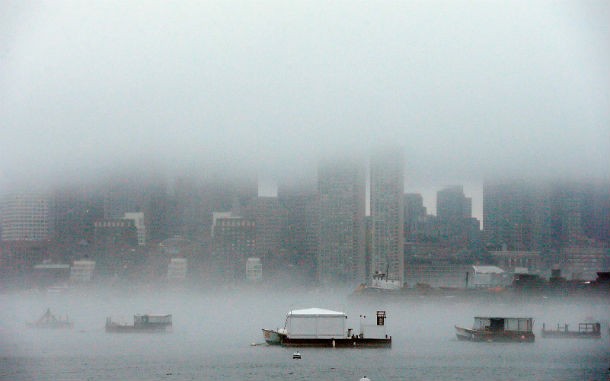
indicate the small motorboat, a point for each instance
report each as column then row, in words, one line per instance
column 296, row 356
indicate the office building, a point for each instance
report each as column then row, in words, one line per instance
column 387, row 214
column 341, row 251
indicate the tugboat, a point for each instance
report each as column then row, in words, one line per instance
column 48, row 320
column 498, row 329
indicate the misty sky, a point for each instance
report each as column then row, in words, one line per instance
column 468, row 88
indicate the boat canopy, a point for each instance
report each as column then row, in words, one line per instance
column 504, row 317
column 314, row 312
column 487, row 270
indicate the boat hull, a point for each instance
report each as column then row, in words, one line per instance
column 465, row 334
column 353, row 342
column 272, row 337
column 570, row 335
column 119, row 328
column 52, row 325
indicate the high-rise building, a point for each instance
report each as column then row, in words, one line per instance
column 73, row 211
column 300, row 229
column 454, row 212
column 387, row 214
column 452, row 204
column 233, row 240
column 517, row 216
column 269, row 216
column 25, row 217
column 342, row 198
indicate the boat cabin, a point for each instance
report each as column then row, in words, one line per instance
column 152, row 320
column 501, row 324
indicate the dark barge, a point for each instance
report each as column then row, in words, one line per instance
column 585, row 331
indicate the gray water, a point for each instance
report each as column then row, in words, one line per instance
column 217, row 336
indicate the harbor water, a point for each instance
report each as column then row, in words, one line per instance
column 217, row 336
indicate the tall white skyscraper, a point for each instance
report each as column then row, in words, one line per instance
column 25, row 217
column 387, row 188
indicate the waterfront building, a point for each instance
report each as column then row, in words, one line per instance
column 512, row 260
column 138, row 219
column 254, row 270
column 342, row 199
column 82, row 271
column 111, row 234
column 387, row 214
column 583, row 263
column 177, row 269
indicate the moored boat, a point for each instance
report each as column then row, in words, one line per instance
column 585, row 331
column 273, row 337
column 48, row 320
column 316, row 327
column 141, row 323
column 498, row 329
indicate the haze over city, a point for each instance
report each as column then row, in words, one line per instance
column 469, row 89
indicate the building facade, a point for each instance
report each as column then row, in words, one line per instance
column 25, row 217
column 387, row 214
column 342, row 198
column 233, row 241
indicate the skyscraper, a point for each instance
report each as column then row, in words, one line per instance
column 25, row 217
column 269, row 217
column 233, row 243
column 342, row 199
column 452, row 204
column 300, row 229
column 516, row 215
column 25, row 231
column 454, row 212
column 387, row 188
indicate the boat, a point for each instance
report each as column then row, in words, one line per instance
column 48, row 320
column 585, row 331
column 498, row 329
column 273, row 337
column 296, row 356
column 317, row 327
column 141, row 323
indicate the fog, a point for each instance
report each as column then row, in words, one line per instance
column 468, row 89
column 217, row 329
